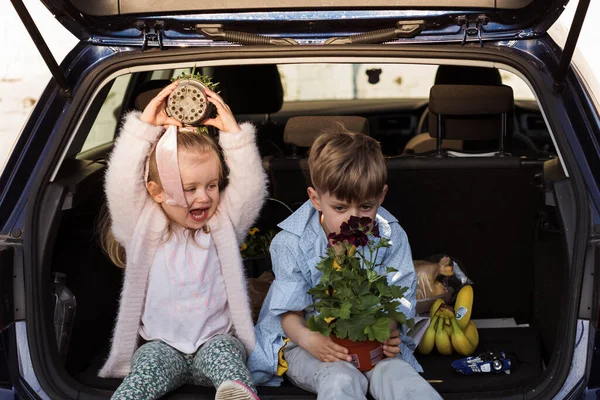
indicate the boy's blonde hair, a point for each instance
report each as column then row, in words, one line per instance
column 188, row 140
column 347, row 165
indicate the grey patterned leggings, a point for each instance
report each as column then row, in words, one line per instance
column 157, row 368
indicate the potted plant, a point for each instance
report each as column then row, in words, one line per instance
column 255, row 251
column 353, row 301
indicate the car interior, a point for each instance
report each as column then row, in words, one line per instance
column 472, row 168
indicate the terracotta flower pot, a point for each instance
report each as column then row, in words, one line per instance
column 364, row 354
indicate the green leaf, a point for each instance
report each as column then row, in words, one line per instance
column 318, row 325
column 367, row 302
column 383, row 288
column 343, row 312
column 356, row 333
column 362, row 289
column 357, row 325
column 397, row 316
column 372, row 275
column 341, row 328
column 389, row 270
column 318, row 291
column 398, row 291
column 379, row 331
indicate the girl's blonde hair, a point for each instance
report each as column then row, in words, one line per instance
column 347, row 165
column 188, row 140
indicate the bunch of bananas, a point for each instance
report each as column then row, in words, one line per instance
column 451, row 330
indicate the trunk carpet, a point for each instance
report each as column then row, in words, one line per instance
column 521, row 345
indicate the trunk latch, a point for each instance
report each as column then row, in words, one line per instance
column 472, row 28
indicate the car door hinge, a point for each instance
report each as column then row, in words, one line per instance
column 472, row 28
column 152, row 36
column 14, row 237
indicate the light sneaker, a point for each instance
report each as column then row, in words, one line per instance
column 235, row 390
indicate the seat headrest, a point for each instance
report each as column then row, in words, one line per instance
column 471, row 112
column 302, row 131
column 466, row 75
column 250, row 89
column 147, row 91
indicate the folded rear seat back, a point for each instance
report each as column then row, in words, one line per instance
column 481, row 210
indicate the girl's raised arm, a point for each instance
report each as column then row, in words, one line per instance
column 247, row 189
column 125, row 184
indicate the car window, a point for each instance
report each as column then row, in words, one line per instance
column 302, row 82
column 306, row 82
column 105, row 125
column 520, row 88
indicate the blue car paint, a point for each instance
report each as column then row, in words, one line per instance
column 572, row 117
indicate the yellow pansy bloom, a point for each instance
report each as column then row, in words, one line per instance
column 328, row 319
column 352, row 250
column 243, row 247
column 336, row 266
column 252, row 231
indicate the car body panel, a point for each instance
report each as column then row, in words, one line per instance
column 111, row 44
column 109, row 21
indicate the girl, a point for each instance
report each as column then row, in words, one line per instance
column 184, row 290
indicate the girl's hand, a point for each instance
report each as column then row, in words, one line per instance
column 224, row 121
column 155, row 114
column 391, row 347
column 323, row 348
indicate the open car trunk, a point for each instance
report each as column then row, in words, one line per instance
column 497, row 215
column 508, row 240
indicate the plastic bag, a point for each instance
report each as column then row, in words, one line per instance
column 428, row 285
column 438, row 276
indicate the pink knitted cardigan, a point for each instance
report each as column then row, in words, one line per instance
column 139, row 224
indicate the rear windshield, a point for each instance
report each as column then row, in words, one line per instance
column 306, row 82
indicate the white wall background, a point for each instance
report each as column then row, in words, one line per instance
column 23, row 73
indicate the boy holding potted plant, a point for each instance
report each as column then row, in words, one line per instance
column 348, row 174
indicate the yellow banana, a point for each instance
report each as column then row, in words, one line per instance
column 442, row 340
column 448, row 328
column 428, row 340
column 446, row 312
column 464, row 306
column 472, row 334
column 435, row 306
column 460, row 341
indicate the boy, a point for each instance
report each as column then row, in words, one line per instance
column 348, row 174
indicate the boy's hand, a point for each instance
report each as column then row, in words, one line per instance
column 391, row 347
column 323, row 348
column 224, row 121
column 155, row 114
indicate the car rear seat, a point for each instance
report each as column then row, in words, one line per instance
column 254, row 92
column 450, row 75
column 290, row 176
column 481, row 210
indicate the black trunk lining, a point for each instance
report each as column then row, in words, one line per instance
column 521, row 345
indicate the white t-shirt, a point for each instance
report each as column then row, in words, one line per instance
column 186, row 301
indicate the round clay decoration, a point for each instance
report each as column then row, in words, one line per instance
column 188, row 103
